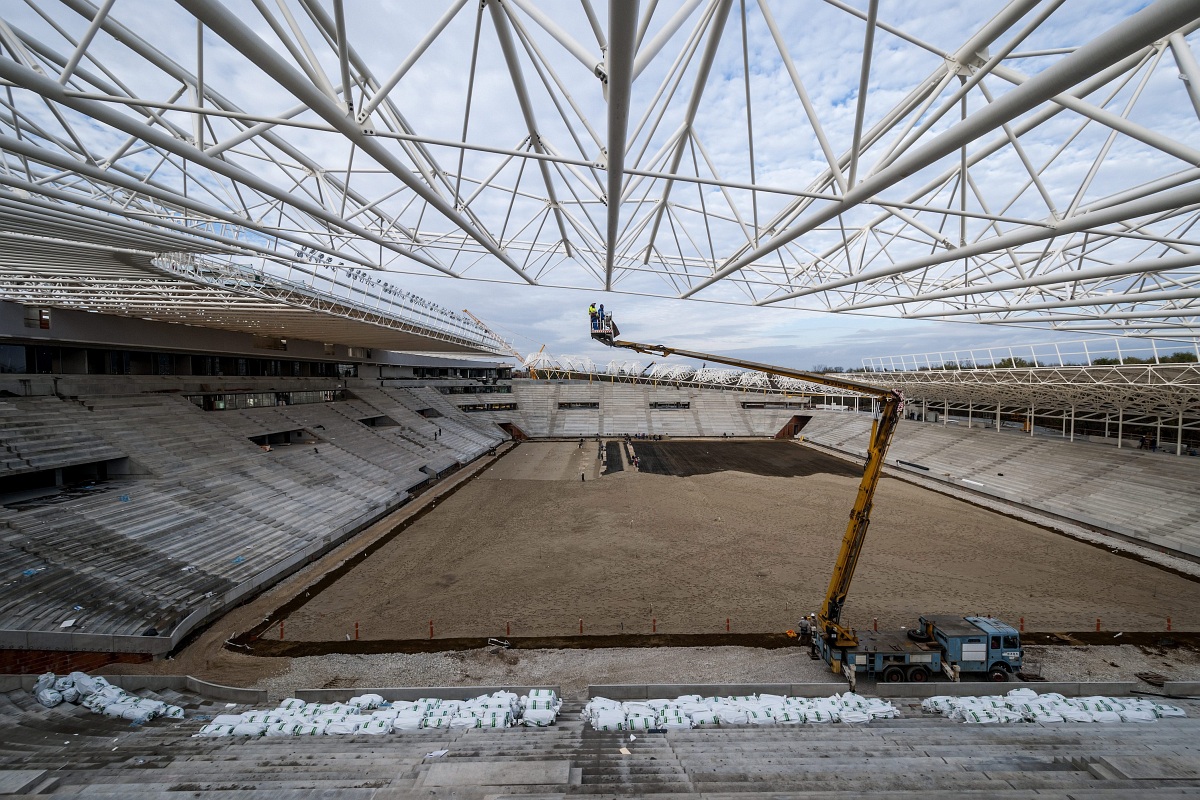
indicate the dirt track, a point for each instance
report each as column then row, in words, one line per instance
column 531, row 548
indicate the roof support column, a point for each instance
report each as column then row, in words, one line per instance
column 622, row 29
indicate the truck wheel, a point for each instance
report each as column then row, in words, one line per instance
column 998, row 674
column 893, row 675
column 918, row 674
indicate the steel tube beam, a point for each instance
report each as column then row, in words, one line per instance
column 242, row 38
column 1177, row 261
column 84, row 41
column 689, row 115
column 386, row 87
column 863, row 78
column 1163, row 201
column 1189, row 70
column 1128, row 36
column 569, row 43
column 622, row 28
column 500, row 22
column 1163, row 295
column 647, row 53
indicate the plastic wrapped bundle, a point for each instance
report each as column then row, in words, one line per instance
column 731, row 715
column 1072, row 714
column 281, row 729
column 539, row 717
column 49, row 697
column 367, row 702
column 292, row 704
column 674, row 722
column 250, row 729
column 1165, row 710
column 706, row 717
column 611, row 719
column 1137, row 715
column 343, row 727
column 213, row 731
column 376, row 727
column 408, row 721
column 308, row 729
column 500, row 720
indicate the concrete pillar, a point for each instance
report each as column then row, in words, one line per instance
column 946, row 412
column 1031, row 423
column 997, row 417
column 970, row 408
column 1072, row 423
column 1158, row 433
column 1179, row 435
column 1120, row 427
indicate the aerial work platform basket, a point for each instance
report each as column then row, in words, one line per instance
column 603, row 328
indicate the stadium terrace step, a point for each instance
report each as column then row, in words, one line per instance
column 148, row 551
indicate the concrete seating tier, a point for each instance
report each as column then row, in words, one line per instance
column 39, row 433
column 1137, row 493
column 66, row 751
column 204, row 509
column 624, row 408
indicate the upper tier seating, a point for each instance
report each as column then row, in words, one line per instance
column 1138, row 493
column 204, row 509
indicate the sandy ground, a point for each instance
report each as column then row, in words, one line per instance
column 529, row 547
column 778, row 527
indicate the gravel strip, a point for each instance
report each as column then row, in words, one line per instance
column 574, row 670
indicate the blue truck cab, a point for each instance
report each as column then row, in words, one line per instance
column 974, row 644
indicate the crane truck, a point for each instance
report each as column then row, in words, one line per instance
column 946, row 644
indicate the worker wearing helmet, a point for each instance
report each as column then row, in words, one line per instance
column 592, row 315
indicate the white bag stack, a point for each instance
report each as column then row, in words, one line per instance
column 689, row 711
column 1026, row 705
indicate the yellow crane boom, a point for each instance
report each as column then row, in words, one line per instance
column 829, row 618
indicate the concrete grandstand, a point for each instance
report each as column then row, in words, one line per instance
column 220, row 393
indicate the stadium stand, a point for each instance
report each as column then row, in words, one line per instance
column 1136, row 493
column 201, row 512
column 67, row 751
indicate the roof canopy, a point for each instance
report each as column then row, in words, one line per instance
column 1025, row 163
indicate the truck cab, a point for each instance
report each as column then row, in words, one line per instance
column 974, row 644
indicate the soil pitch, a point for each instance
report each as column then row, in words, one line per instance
column 528, row 549
column 772, row 459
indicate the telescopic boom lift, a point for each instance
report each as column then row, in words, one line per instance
column 836, row 639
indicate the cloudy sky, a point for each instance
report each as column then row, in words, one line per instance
column 825, row 42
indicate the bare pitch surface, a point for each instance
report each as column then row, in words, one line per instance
column 705, row 456
column 542, row 539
